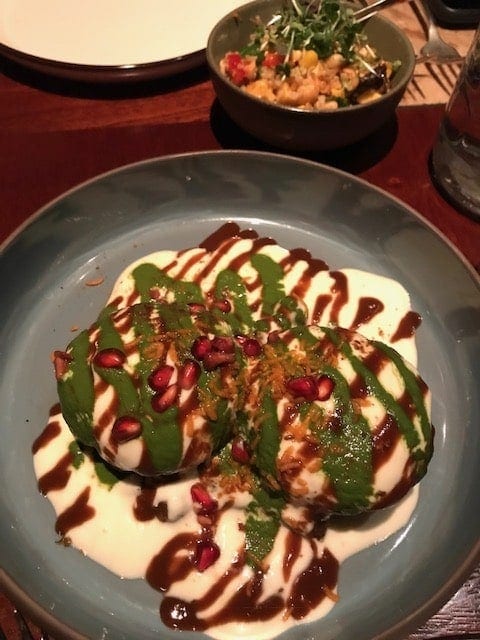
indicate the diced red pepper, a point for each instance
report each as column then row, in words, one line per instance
column 272, row 59
column 233, row 59
column 235, row 68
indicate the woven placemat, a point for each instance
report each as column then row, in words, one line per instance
column 431, row 83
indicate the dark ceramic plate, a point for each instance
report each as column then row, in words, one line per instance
column 96, row 230
column 105, row 74
column 108, row 41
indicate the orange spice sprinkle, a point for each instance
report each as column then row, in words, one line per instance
column 331, row 595
column 95, row 282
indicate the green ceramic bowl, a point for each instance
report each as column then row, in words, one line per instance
column 292, row 128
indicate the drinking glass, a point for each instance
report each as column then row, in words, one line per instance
column 455, row 160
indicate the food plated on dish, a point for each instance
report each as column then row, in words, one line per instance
column 310, row 55
column 306, row 75
column 227, row 402
column 91, row 235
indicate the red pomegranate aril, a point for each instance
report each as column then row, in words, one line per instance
column 325, row 387
column 303, row 387
column 196, row 307
column 240, row 451
column 206, row 554
column 110, row 358
column 203, row 499
column 200, row 347
column 216, row 359
column 61, row 360
column 126, row 428
column 189, row 374
column 223, row 305
column 223, row 343
column 160, row 378
column 252, row 347
column 163, row 401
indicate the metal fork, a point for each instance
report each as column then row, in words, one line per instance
column 436, row 49
column 369, row 10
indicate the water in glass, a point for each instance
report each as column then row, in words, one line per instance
column 456, row 154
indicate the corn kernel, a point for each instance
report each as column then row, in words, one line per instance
column 309, row 59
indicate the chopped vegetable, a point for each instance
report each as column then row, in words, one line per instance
column 312, row 54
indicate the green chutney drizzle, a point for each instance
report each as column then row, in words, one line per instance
column 346, row 448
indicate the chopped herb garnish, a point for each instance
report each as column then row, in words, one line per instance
column 77, row 454
column 262, row 524
column 107, row 474
column 325, row 26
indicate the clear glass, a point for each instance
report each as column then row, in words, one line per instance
column 456, row 153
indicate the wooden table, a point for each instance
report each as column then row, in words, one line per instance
column 54, row 135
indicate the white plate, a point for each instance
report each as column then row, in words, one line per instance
column 110, row 36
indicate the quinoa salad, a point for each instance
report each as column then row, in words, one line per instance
column 311, row 55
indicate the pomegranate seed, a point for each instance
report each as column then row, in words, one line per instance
column 201, row 497
column 206, row 554
column 61, row 360
column 110, row 358
column 224, row 344
column 196, row 307
column 189, row 374
column 240, row 451
column 200, row 347
column 163, row 401
column 252, row 347
column 325, row 386
column 126, row 428
column 159, row 379
column 223, row 305
column 305, row 387
column 216, row 359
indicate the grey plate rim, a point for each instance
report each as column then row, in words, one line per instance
column 240, row 152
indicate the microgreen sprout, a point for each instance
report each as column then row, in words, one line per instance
column 326, row 26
